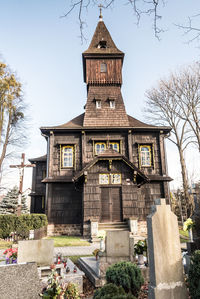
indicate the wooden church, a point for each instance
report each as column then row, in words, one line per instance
column 102, row 166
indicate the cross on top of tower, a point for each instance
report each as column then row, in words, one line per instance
column 100, row 15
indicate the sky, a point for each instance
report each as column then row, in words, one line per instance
column 44, row 50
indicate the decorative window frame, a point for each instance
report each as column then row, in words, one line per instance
column 95, row 149
column 73, row 147
column 113, row 143
column 112, row 177
column 151, row 153
column 108, row 177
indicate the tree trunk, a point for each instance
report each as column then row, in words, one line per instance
column 188, row 197
column 3, row 153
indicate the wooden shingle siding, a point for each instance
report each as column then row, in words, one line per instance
column 95, row 76
column 66, row 204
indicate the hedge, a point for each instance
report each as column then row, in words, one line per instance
column 194, row 275
column 21, row 224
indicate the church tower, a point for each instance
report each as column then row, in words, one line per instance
column 102, row 67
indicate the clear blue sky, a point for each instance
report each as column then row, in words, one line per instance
column 45, row 52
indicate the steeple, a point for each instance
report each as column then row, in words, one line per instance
column 102, row 68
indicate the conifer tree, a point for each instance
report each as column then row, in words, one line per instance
column 9, row 203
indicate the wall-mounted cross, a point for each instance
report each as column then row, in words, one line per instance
column 21, row 178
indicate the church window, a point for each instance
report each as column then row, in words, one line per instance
column 67, row 156
column 103, row 178
column 103, row 67
column 100, row 147
column 114, row 146
column 98, row 104
column 112, row 104
column 115, row 178
column 145, row 156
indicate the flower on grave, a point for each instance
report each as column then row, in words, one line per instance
column 96, row 252
column 188, row 224
column 11, row 253
column 140, row 247
column 101, row 234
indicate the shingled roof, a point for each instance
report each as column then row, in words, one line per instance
column 77, row 123
column 102, row 34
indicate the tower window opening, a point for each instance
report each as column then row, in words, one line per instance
column 103, row 67
column 102, row 44
column 112, row 104
column 98, row 104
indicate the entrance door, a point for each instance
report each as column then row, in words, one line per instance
column 111, row 210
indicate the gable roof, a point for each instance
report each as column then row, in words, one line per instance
column 102, row 34
column 111, row 154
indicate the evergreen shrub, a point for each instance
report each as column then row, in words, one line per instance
column 127, row 275
column 21, row 224
column 194, row 276
column 111, row 291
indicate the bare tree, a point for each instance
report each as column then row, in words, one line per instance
column 11, row 114
column 141, row 7
column 187, row 91
column 163, row 109
column 151, row 8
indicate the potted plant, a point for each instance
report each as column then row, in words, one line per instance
column 101, row 236
column 139, row 248
column 95, row 253
column 187, row 226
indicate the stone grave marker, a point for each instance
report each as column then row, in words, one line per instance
column 165, row 259
column 117, row 244
column 19, row 281
column 39, row 251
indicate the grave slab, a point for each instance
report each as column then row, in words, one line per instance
column 39, row 251
column 19, row 281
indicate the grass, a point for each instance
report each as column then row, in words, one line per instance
column 184, row 237
column 5, row 244
column 74, row 258
column 61, row 241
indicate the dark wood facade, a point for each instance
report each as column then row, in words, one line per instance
column 83, row 185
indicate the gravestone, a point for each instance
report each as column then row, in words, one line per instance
column 19, row 281
column 39, row 251
column 165, row 259
column 118, row 247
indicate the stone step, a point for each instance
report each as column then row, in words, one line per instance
column 113, row 226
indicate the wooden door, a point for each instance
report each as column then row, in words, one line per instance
column 111, row 209
column 105, row 205
column 116, row 209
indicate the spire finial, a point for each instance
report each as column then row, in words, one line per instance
column 100, row 8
